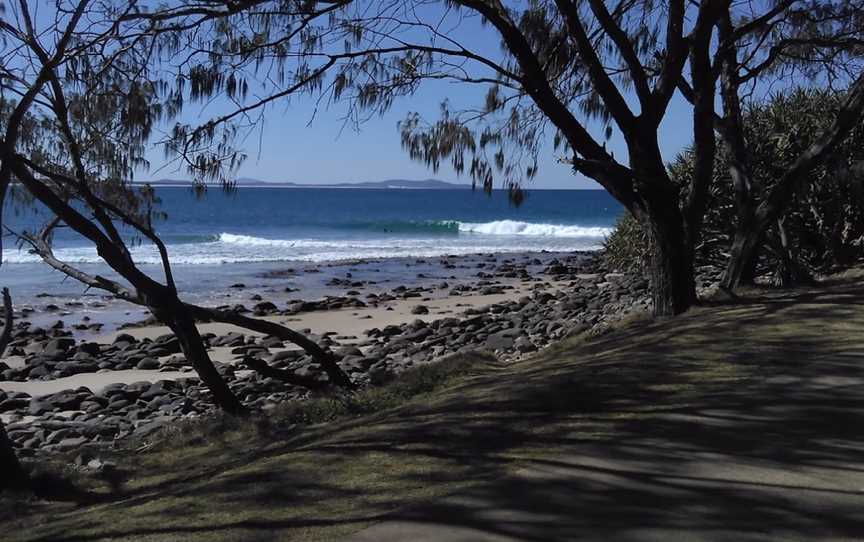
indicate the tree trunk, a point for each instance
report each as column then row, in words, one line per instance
column 790, row 272
column 12, row 474
column 672, row 277
column 742, row 252
column 336, row 375
column 6, row 335
column 183, row 325
column 748, row 273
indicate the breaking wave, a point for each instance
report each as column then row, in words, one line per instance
column 420, row 239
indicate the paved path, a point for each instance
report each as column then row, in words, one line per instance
column 634, row 492
column 766, row 445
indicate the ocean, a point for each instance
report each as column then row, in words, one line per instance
column 220, row 238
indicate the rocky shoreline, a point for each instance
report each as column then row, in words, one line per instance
column 572, row 294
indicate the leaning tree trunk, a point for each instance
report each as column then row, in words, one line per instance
column 6, row 334
column 749, row 263
column 181, row 322
column 335, row 374
column 744, row 252
column 748, row 273
column 12, row 474
column 790, row 271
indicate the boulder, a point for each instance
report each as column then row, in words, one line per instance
column 502, row 340
column 125, row 338
column 64, row 400
column 60, row 345
column 148, row 363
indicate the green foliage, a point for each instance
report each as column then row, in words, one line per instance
column 413, row 383
column 628, row 246
column 825, row 222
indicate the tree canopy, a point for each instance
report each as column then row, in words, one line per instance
column 576, row 71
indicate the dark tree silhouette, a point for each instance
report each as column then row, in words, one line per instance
column 582, row 70
column 87, row 95
column 14, row 475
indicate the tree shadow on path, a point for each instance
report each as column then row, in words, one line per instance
column 737, row 421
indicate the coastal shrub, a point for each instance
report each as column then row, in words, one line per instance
column 411, row 383
column 823, row 227
column 628, row 247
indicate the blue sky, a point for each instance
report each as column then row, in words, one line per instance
column 299, row 144
column 294, row 146
column 291, row 148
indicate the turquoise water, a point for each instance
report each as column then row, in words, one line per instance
column 216, row 239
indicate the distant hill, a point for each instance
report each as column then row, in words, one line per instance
column 433, row 184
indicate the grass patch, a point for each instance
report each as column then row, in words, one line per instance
column 413, row 383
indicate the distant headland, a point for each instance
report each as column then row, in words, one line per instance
column 427, row 184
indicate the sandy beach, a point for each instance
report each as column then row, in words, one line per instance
column 65, row 386
column 341, row 322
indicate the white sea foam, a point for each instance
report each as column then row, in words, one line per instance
column 227, row 248
column 513, row 227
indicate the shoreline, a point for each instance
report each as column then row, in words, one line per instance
column 274, row 279
column 59, row 392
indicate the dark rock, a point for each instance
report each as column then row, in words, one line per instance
column 159, row 388
column 125, row 338
column 524, row 345
column 265, row 307
column 148, row 364
column 72, row 443
column 380, row 374
column 58, row 345
column 63, row 400
column 271, row 342
column 500, row 341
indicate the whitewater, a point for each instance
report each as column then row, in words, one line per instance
column 222, row 239
column 498, row 236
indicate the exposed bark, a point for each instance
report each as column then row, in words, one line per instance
column 790, row 271
column 162, row 300
column 648, row 192
column 261, row 367
column 181, row 322
column 704, row 140
column 751, row 268
column 167, row 315
column 6, row 335
column 672, row 276
column 12, row 474
column 328, row 362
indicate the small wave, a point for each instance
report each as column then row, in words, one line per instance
column 513, row 227
column 438, row 227
column 189, row 239
column 227, row 248
column 235, row 239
